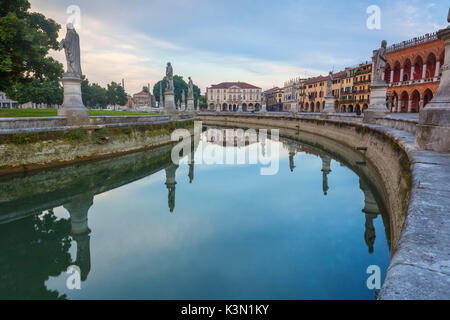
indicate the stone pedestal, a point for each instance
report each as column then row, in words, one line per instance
column 377, row 108
column 169, row 104
column 73, row 107
column 329, row 106
column 433, row 131
column 263, row 108
column 190, row 104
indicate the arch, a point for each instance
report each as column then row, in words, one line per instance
column 404, row 101
column 418, row 68
column 358, row 107
column 257, row 107
column 407, row 70
column 250, row 107
column 431, row 65
column 397, row 68
column 211, row 106
column 307, row 107
column 415, row 101
column 427, row 97
column 244, row 107
column 224, row 107
column 395, row 103
column 234, row 107
column 387, row 73
column 317, row 107
column 350, row 108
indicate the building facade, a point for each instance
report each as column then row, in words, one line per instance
column 413, row 72
column 6, row 103
column 274, row 99
column 232, row 96
column 361, row 82
column 142, row 99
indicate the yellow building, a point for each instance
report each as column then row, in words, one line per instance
column 361, row 83
column 347, row 99
column 315, row 90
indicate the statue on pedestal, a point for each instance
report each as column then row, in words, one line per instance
column 71, row 46
column 72, row 108
column 329, row 84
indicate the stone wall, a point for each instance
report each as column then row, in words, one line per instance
column 39, row 149
column 416, row 189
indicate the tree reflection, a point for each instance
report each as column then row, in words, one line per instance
column 32, row 250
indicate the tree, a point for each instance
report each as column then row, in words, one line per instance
column 94, row 96
column 145, row 89
column 179, row 85
column 116, row 94
column 25, row 40
column 37, row 91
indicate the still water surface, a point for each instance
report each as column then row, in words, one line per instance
column 219, row 232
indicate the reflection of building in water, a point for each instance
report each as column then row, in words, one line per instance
column 326, row 169
column 170, row 183
column 78, row 209
column 231, row 137
column 372, row 211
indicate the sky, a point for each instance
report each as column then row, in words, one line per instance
column 264, row 43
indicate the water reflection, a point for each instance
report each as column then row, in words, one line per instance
column 34, row 244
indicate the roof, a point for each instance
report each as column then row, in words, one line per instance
column 274, row 89
column 142, row 93
column 227, row 85
column 340, row 74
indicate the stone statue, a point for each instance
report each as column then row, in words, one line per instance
column 380, row 64
column 169, row 78
column 71, row 46
column 190, row 89
column 329, row 84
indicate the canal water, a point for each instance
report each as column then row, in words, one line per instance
column 140, row 227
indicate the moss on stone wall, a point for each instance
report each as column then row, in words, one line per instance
column 99, row 136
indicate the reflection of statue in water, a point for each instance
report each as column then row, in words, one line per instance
column 326, row 169
column 292, row 146
column 71, row 46
column 191, row 171
column 372, row 211
column 380, row 64
column 78, row 209
column 170, row 183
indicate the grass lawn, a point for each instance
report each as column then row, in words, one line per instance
column 10, row 113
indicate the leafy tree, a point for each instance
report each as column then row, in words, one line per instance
column 37, row 91
column 25, row 40
column 32, row 250
column 116, row 94
column 179, row 85
column 94, row 96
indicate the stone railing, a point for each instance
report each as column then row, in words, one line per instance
column 413, row 42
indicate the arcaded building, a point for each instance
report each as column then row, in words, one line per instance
column 229, row 96
column 413, row 72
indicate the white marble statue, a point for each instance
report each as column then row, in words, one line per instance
column 71, row 46
column 169, row 78
column 380, row 64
